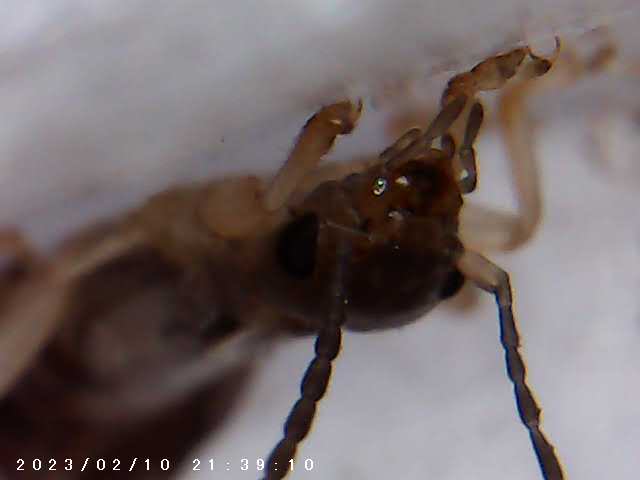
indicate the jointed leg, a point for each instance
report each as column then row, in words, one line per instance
column 315, row 141
column 254, row 205
column 506, row 231
column 401, row 143
column 485, row 228
column 398, row 153
column 466, row 158
column 494, row 280
column 461, row 115
column 491, row 74
column 32, row 307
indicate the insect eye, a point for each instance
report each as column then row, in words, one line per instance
column 379, row 186
column 297, row 246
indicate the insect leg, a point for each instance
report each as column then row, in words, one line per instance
column 403, row 142
column 494, row 72
column 438, row 127
column 490, row 74
column 315, row 141
column 316, row 378
column 493, row 279
column 466, row 167
column 487, row 228
column 32, row 311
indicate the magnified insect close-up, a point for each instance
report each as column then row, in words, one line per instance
column 149, row 323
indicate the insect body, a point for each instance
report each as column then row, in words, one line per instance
column 142, row 319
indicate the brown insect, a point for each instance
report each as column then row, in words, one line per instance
column 141, row 326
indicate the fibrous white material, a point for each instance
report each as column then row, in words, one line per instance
column 104, row 102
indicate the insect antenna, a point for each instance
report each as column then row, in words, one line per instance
column 493, row 279
column 316, row 378
column 528, row 408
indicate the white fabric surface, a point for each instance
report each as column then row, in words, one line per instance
column 105, row 102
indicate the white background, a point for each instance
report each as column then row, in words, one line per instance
column 103, row 102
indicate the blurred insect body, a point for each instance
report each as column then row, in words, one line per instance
column 142, row 325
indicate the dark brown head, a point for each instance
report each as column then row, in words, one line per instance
column 402, row 225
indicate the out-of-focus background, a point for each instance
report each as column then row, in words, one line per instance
column 103, row 103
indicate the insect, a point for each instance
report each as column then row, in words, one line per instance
column 140, row 326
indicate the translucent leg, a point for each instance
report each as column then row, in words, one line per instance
column 32, row 307
column 483, row 228
column 314, row 142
